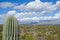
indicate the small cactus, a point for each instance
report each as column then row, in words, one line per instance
column 10, row 29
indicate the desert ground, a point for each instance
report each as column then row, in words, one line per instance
column 37, row 32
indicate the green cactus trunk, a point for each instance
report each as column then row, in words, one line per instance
column 10, row 29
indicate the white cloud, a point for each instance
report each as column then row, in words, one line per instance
column 43, row 8
column 58, row 14
column 35, row 6
column 58, row 3
column 11, row 13
column 7, row 4
column 2, row 18
column 31, row 17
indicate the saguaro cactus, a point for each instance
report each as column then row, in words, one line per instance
column 10, row 29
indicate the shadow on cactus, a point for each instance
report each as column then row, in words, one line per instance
column 10, row 29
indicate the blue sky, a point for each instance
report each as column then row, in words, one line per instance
column 31, row 11
column 20, row 2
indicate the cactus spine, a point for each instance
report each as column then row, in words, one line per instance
column 10, row 29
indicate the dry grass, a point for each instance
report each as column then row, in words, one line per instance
column 30, row 32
